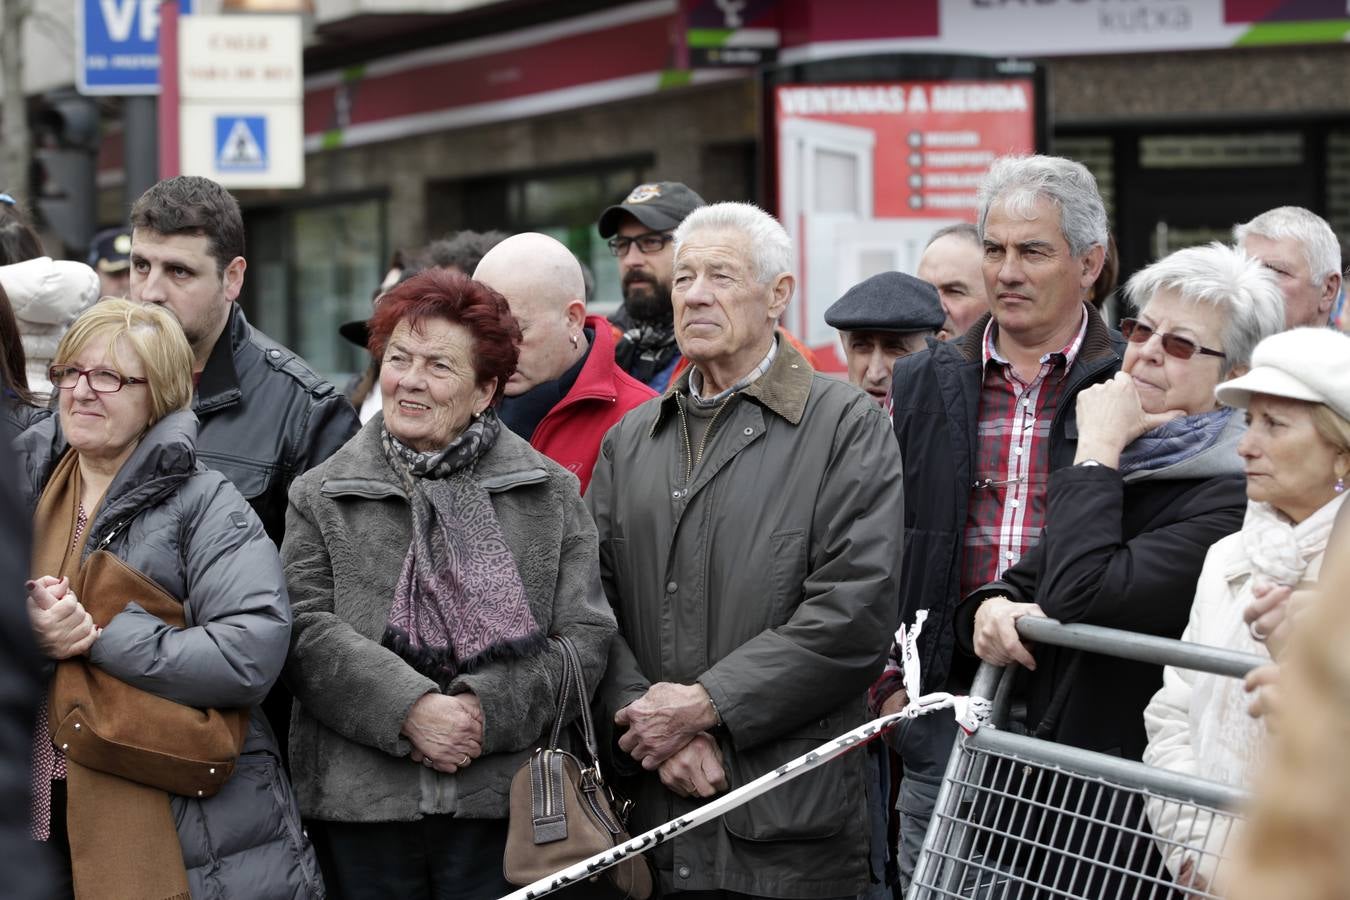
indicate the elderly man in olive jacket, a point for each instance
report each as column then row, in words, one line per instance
column 749, row 548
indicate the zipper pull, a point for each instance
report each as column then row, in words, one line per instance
column 112, row 533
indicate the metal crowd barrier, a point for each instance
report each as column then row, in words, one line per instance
column 1018, row 817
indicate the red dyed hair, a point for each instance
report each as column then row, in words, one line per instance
column 441, row 294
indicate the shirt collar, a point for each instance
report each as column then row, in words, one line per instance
column 1069, row 352
column 696, row 379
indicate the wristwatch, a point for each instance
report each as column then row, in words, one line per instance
column 1088, row 462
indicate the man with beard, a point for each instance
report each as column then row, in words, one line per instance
column 640, row 232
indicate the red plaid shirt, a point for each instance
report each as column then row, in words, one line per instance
column 1012, row 460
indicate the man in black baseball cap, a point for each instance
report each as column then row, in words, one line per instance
column 640, row 232
column 881, row 319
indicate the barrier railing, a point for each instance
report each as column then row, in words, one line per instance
column 1019, row 817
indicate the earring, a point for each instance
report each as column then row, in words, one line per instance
column 1339, row 486
column 575, row 343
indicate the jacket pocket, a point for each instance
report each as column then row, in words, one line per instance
column 788, row 561
column 813, row 806
column 250, row 477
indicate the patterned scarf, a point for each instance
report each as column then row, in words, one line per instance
column 1175, row 441
column 459, row 601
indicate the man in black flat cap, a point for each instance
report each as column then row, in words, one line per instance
column 880, row 320
column 640, row 231
column 110, row 257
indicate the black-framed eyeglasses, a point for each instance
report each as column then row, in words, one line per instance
column 1137, row 332
column 101, row 381
column 651, row 242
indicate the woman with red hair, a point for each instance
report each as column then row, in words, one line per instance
column 429, row 560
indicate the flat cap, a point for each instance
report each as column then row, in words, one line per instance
column 660, row 205
column 110, row 251
column 890, row 301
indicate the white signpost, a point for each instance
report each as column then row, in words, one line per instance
column 242, row 92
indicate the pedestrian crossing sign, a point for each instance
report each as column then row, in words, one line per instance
column 241, row 143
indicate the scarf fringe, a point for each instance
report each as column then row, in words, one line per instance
column 443, row 668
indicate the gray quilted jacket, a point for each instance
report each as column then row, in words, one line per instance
column 191, row 531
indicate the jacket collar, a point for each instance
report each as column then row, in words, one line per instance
column 1097, row 340
column 783, row 390
column 165, row 457
column 361, row 464
column 596, row 378
column 219, row 384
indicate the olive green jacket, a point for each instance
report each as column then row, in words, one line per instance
column 769, row 578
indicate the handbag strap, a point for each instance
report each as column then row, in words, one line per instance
column 564, row 691
column 572, row 685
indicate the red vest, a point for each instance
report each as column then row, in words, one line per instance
column 570, row 434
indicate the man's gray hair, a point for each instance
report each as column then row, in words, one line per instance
column 1016, row 182
column 1244, row 290
column 770, row 246
column 1310, row 231
column 963, row 230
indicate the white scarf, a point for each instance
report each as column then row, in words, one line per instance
column 1277, row 549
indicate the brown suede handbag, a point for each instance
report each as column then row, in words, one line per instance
column 107, row 725
column 561, row 809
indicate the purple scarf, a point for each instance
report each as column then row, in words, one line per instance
column 459, row 601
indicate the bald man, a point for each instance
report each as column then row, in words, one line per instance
column 567, row 390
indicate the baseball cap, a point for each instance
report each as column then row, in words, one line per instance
column 660, row 205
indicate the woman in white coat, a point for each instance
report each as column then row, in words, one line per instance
column 46, row 294
column 1297, row 458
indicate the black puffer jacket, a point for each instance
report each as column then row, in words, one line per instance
column 265, row 418
column 187, row 528
column 1121, row 553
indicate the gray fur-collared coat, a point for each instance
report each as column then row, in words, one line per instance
column 347, row 532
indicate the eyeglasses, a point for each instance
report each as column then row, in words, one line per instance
column 651, row 242
column 102, row 381
column 1137, row 332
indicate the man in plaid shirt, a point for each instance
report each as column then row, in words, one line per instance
column 981, row 422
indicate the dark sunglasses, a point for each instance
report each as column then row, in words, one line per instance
column 101, row 381
column 651, row 242
column 1137, row 332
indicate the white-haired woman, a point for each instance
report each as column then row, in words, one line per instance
column 1156, row 480
column 1297, row 456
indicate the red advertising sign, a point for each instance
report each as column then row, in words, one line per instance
column 867, row 172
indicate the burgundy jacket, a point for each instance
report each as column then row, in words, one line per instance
column 570, row 434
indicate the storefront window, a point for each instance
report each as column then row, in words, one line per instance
column 311, row 269
column 564, row 205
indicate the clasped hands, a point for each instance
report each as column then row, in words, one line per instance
column 667, row 731
column 446, row 731
column 61, row 625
